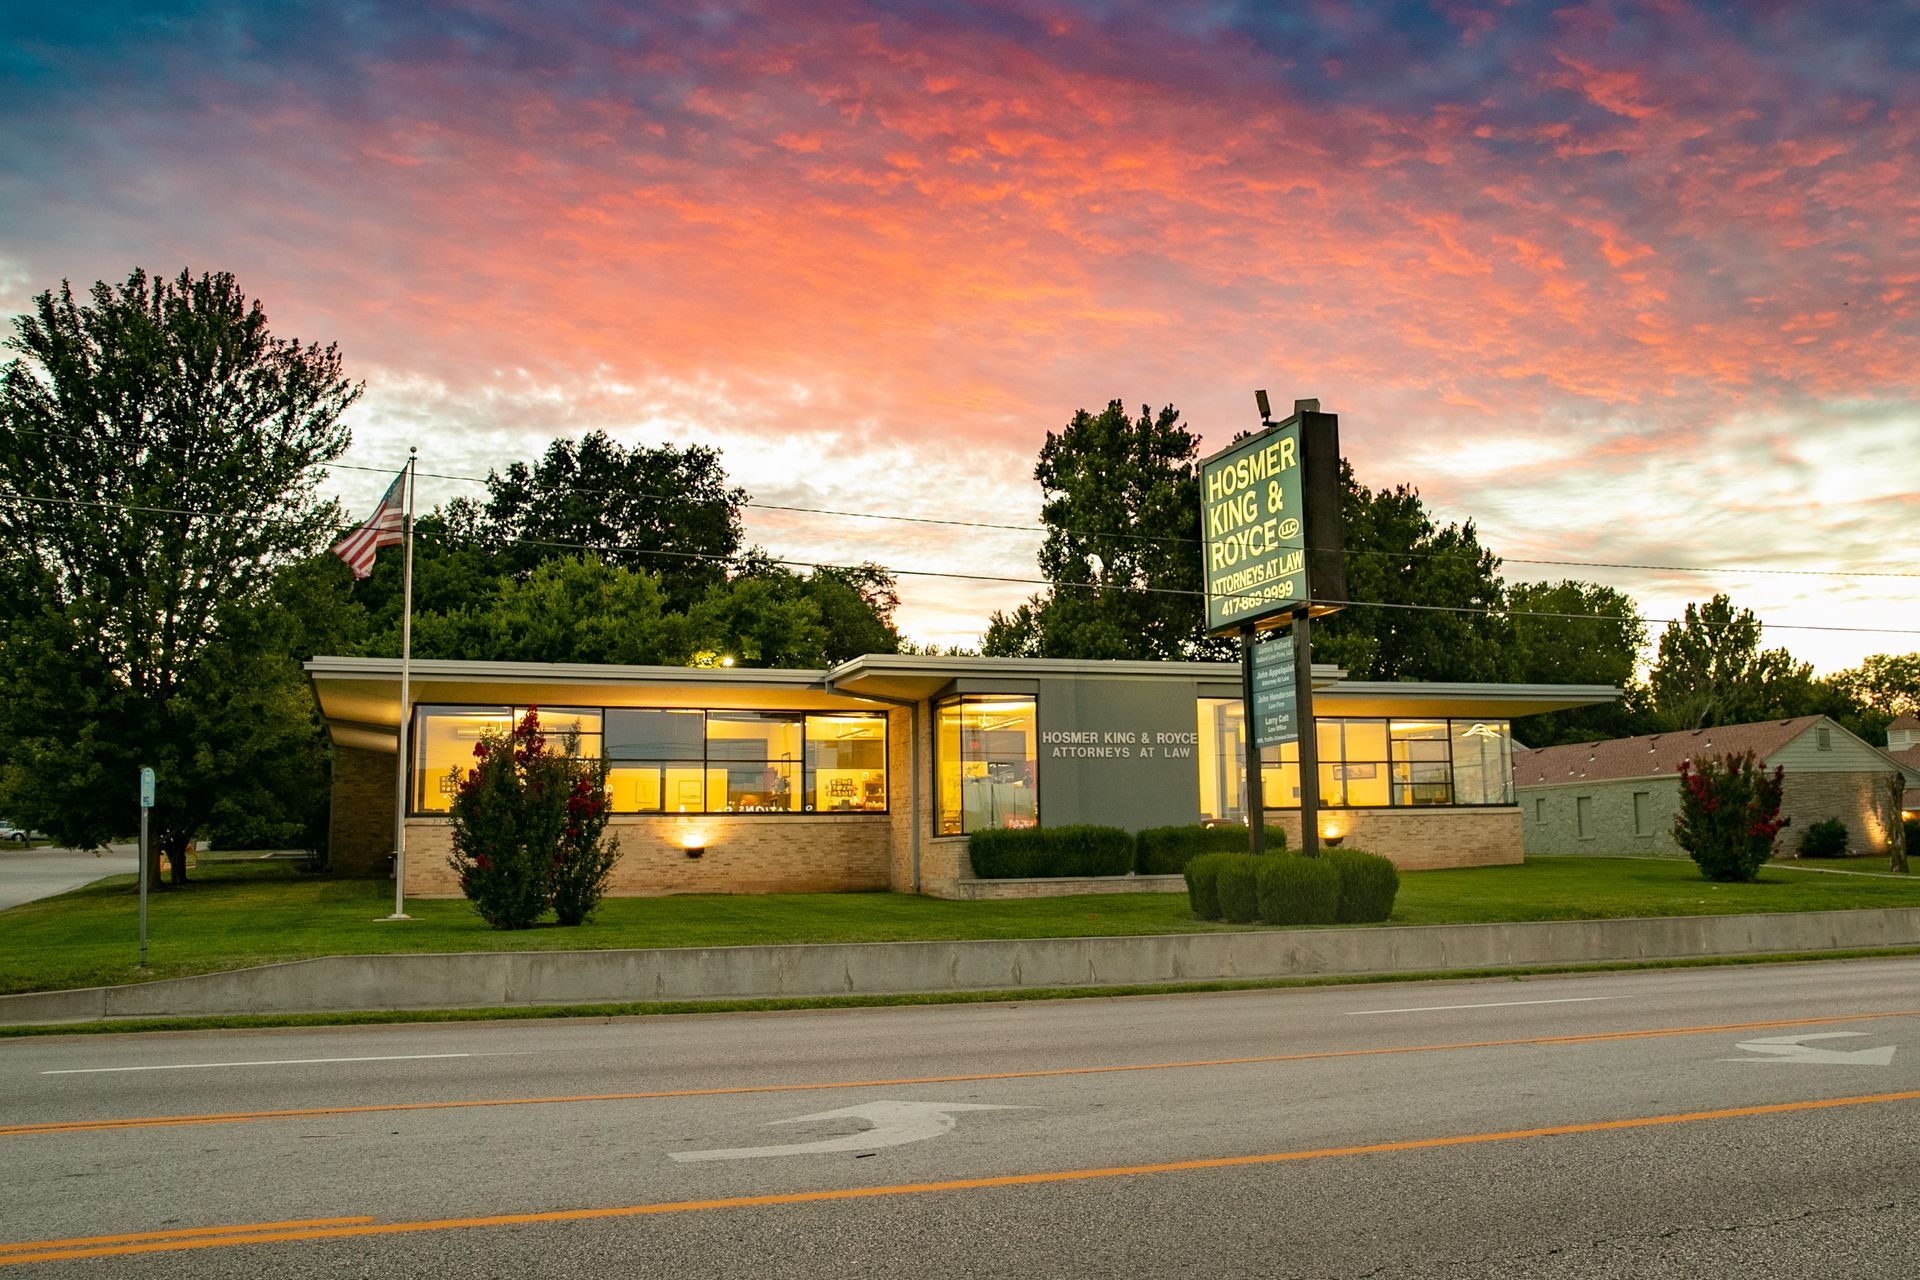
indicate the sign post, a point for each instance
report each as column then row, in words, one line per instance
column 1271, row 549
column 146, row 807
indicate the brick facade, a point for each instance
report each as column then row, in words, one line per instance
column 1860, row 800
column 1419, row 839
column 742, row 854
column 360, row 819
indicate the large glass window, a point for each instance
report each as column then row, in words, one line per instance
column 846, row 763
column 753, row 762
column 656, row 761
column 674, row 760
column 984, row 755
column 444, row 739
column 1482, row 762
column 1364, row 763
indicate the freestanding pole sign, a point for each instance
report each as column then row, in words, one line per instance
column 1271, row 551
column 146, row 807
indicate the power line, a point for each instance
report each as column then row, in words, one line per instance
column 1140, row 589
column 1185, row 541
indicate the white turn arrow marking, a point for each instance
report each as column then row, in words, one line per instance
column 1795, row 1049
column 893, row 1123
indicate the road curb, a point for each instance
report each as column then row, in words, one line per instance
column 507, row 979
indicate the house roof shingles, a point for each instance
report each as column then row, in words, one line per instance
column 1652, row 753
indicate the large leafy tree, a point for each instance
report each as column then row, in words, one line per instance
column 668, row 510
column 1576, row 633
column 1427, row 595
column 1121, row 504
column 160, row 450
column 1710, row 669
column 1883, row 687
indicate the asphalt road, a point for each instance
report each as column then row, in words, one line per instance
column 27, row 875
column 1598, row 1126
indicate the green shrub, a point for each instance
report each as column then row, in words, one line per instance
column 1295, row 890
column 1912, row 827
column 1368, row 885
column 1203, row 877
column 1237, row 884
column 529, row 824
column 1824, row 839
column 1729, row 815
column 1049, row 852
column 1165, row 851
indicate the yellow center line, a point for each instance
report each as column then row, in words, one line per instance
column 182, row 1233
column 240, row 1117
column 50, row 1252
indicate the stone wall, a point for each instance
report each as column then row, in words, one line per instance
column 799, row 853
column 360, row 820
column 1550, row 818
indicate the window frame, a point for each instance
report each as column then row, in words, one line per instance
column 934, row 759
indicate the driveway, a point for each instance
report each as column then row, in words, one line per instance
column 30, row 874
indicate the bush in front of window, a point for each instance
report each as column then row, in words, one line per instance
column 530, row 824
column 1022, row 853
column 1238, row 886
column 1203, row 884
column 1296, row 890
column 1166, row 851
column 1826, row 839
column 1729, row 815
column 1368, row 885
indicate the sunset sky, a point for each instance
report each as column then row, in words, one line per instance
column 1633, row 283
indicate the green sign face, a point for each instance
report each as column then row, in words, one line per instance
column 1273, row 718
column 1255, row 562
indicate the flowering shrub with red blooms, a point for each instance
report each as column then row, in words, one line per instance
column 529, row 829
column 1729, row 815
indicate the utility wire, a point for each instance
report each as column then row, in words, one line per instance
column 1181, row 541
column 1138, row 589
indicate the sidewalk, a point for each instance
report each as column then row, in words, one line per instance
column 27, row 875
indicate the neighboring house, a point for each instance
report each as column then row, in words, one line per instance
column 1620, row 796
column 1903, row 744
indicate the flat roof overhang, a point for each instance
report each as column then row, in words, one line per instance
column 1460, row 701
column 912, row 678
column 360, row 697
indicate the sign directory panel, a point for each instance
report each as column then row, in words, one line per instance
column 1273, row 718
column 1254, row 555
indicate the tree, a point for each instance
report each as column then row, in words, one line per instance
column 1711, row 670
column 1121, row 504
column 1882, row 688
column 665, row 509
column 568, row 609
column 160, row 452
column 1576, row 633
column 1427, row 595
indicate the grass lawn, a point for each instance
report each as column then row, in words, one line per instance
column 242, row 913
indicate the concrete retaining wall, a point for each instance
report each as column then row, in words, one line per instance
column 499, row 979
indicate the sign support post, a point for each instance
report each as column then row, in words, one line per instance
column 1309, row 735
column 146, row 807
column 1256, row 784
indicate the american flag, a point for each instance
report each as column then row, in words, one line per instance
column 381, row 529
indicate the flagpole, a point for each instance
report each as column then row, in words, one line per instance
column 406, row 716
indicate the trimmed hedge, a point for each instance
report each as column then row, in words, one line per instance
column 1166, row 851
column 1203, row 884
column 1295, row 890
column 1047, row 852
column 1368, row 885
column 1237, row 884
column 1826, row 839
